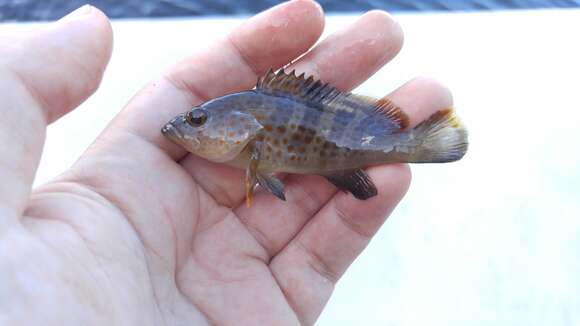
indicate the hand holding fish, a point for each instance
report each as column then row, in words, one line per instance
column 140, row 231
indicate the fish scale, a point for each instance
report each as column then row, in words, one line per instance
column 292, row 145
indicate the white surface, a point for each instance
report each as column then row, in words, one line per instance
column 491, row 240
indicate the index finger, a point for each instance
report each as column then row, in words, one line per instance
column 233, row 63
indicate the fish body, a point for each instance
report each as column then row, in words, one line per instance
column 296, row 125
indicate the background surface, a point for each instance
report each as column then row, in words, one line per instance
column 491, row 240
column 34, row 10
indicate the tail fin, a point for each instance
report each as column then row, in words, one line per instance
column 441, row 138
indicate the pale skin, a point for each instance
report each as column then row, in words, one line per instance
column 138, row 232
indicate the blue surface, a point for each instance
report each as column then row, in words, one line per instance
column 27, row 10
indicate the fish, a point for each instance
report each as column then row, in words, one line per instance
column 291, row 123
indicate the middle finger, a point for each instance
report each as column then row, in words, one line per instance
column 344, row 60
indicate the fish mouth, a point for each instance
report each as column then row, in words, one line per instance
column 171, row 131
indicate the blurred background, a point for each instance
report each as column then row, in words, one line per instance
column 34, row 10
column 491, row 240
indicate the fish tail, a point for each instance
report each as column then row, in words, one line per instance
column 439, row 139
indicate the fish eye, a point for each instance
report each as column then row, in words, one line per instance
column 196, row 118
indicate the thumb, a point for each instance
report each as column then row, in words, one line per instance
column 44, row 73
column 62, row 63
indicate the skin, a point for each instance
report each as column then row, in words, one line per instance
column 138, row 232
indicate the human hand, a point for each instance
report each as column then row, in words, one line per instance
column 138, row 231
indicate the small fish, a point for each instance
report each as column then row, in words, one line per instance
column 297, row 125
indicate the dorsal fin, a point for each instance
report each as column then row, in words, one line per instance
column 386, row 108
column 306, row 89
column 315, row 91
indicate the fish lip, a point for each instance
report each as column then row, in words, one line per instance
column 171, row 131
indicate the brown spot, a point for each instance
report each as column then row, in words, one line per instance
column 292, row 158
column 276, row 142
column 285, row 141
column 301, row 149
column 260, row 117
column 268, row 148
column 318, row 139
column 293, row 126
column 326, row 145
column 260, row 137
column 268, row 127
column 268, row 157
column 308, row 139
column 301, row 128
column 281, row 129
column 238, row 142
column 290, row 148
column 267, row 138
column 296, row 136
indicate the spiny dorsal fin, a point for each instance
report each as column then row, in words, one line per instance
column 303, row 88
column 315, row 91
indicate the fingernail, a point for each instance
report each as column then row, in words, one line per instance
column 82, row 11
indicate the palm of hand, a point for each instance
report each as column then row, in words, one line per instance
column 137, row 232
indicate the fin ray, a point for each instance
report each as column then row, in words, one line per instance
column 357, row 182
column 442, row 139
column 306, row 89
column 272, row 184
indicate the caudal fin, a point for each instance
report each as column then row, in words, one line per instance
column 441, row 138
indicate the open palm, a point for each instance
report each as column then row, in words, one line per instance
column 138, row 232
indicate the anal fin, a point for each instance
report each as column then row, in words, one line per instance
column 357, row 182
column 272, row 184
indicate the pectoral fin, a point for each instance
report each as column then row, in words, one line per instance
column 252, row 173
column 357, row 182
column 272, row 184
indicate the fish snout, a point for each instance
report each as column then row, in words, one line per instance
column 170, row 130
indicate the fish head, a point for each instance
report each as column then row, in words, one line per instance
column 212, row 132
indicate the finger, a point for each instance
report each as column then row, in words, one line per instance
column 344, row 59
column 233, row 63
column 309, row 266
column 133, row 149
column 44, row 73
column 349, row 56
column 274, row 222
